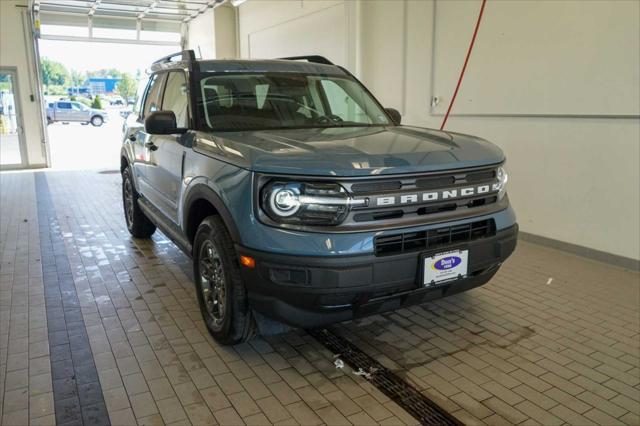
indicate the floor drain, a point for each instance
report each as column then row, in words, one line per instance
column 402, row 393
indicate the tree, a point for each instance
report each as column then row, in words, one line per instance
column 97, row 103
column 127, row 86
column 104, row 73
column 77, row 78
column 54, row 73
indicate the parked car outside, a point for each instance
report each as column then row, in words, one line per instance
column 301, row 200
column 73, row 111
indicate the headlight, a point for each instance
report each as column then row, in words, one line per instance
column 501, row 185
column 306, row 203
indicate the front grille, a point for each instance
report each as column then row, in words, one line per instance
column 433, row 238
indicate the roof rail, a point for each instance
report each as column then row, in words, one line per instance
column 186, row 55
column 316, row 59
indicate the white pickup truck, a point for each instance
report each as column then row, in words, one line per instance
column 69, row 111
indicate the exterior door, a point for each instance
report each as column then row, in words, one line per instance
column 164, row 171
column 64, row 111
column 12, row 142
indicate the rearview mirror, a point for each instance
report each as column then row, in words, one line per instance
column 162, row 123
column 395, row 115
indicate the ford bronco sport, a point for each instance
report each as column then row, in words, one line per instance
column 301, row 200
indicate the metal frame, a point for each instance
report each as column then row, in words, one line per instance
column 22, row 141
column 168, row 11
column 171, row 10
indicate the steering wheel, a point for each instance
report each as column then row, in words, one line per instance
column 328, row 119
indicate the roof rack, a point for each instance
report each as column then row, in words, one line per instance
column 186, row 55
column 316, row 59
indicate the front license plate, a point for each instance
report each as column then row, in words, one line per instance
column 445, row 266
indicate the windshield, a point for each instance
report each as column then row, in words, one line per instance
column 285, row 100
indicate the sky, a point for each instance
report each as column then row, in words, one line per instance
column 85, row 56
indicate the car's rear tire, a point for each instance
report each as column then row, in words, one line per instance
column 221, row 293
column 138, row 223
column 97, row 121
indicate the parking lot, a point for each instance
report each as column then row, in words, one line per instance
column 552, row 339
column 75, row 146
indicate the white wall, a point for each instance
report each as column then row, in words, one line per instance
column 202, row 38
column 572, row 178
column 15, row 53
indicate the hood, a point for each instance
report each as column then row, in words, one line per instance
column 352, row 151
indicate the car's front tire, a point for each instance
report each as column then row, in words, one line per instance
column 138, row 223
column 221, row 293
column 97, row 121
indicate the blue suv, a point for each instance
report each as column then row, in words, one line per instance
column 301, row 200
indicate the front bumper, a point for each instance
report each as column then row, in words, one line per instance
column 306, row 291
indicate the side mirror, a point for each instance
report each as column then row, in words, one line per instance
column 162, row 123
column 395, row 115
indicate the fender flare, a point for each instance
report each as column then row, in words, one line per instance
column 202, row 191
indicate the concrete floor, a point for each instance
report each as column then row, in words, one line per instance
column 99, row 327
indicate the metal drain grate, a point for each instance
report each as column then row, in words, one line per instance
column 402, row 393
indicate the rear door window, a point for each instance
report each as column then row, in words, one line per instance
column 64, row 105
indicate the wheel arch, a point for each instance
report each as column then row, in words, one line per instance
column 201, row 202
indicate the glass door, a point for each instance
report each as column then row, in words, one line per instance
column 12, row 153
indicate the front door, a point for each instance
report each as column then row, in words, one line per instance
column 164, row 170
column 12, row 142
column 64, row 112
column 143, row 142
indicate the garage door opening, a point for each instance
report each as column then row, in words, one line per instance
column 89, row 89
column 93, row 58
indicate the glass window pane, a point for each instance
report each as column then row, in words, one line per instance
column 152, row 101
column 9, row 137
column 176, row 98
column 160, row 36
column 286, row 100
column 64, row 30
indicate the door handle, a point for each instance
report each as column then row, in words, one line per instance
column 151, row 146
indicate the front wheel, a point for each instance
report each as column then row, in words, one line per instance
column 96, row 121
column 138, row 223
column 221, row 293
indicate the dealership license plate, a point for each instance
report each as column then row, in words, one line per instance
column 445, row 266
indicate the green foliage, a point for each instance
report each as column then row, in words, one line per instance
column 73, row 98
column 97, row 103
column 87, row 102
column 78, row 78
column 55, row 90
column 110, row 73
column 127, row 87
column 54, row 73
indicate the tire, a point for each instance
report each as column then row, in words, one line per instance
column 96, row 121
column 221, row 293
column 138, row 223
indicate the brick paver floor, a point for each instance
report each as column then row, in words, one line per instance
column 94, row 322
